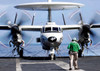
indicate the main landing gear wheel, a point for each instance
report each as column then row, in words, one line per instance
column 80, row 53
column 20, row 52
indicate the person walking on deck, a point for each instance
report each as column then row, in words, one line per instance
column 73, row 54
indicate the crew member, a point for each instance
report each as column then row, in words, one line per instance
column 73, row 54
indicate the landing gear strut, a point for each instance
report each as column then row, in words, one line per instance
column 52, row 54
column 19, row 51
column 80, row 53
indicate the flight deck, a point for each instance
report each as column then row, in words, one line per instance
column 60, row 64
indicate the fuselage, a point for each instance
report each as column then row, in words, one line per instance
column 51, row 36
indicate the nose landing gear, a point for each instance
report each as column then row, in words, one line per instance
column 52, row 54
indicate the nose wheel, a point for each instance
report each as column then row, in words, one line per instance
column 52, row 56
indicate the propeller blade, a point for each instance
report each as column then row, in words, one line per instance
column 76, row 17
column 4, row 18
column 92, row 22
column 29, row 16
column 26, row 37
column 92, row 33
column 6, row 36
column 33, row 19
column 81, row 18
column 9, row 35
column 96, row 18
column 15, row 18
column 69, row 37
column 24, row 19
column 63, row 19
column 4, row 46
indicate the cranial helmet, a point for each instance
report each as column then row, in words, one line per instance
column 74, row 39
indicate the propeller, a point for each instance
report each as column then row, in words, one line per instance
column 86, row 28
column 95, row 19
column 18, row 21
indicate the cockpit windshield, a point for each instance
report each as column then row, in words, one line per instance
column 51, row 29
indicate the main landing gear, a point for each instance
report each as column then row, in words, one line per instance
column 19, row 51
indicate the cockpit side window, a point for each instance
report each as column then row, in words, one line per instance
column 55, row 29
column 43, row 30
column 60, row 29
column 48, row 29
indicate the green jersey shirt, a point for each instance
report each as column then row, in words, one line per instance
column 74, row 46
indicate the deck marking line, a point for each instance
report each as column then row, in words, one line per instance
column 61, row 64
column 18, row 65
column 65, row 66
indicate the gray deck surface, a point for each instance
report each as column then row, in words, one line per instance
column 60, row 64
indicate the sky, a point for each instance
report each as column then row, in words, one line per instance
column 88, row 11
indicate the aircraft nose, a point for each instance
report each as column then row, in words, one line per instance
column 52, row 39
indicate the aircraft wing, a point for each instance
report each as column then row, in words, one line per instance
column 95, row 26
column 31, row 28
column 70, row 27
column 4, row 27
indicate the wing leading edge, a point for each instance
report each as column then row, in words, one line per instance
column 31, row 28
column 38, row 28
column 23, row 28
column 70, row 27
column 4, row 27
column 95, row 26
